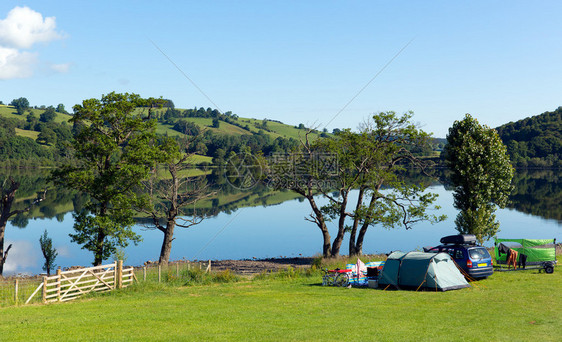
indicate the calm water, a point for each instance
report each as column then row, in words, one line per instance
column 261, row 232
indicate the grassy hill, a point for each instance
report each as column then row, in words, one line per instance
column 11, row 113
column 274, row 129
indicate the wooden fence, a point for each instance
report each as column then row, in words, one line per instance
column 159, row 273
column 72, row 284
column 68, row 285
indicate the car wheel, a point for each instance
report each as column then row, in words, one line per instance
column 549, row 269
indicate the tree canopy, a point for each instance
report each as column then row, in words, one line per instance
column 115, row 150
column 481, row 174
column 368, row 162
column 20, row 104
column 535, row 141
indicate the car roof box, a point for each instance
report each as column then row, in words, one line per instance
column 460, row 239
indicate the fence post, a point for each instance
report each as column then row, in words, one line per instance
column 119, row 274
column 159, row 272
column 208, row 269
column 144, row 273
column 115, row 274
column 16, row 291
column 44, row 294
column 188, row 266
column 177, row 269
column 59, row 279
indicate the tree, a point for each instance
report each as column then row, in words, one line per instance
column 20, row 104
column 61, row 109
column 48, row 115
column 216, row 123
column 115, row 149
column 49, row 252
column 170, row 201
column 481, row 174
column 366, row 164
column 47, row 136
column 8, row 192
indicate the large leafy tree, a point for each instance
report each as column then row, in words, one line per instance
column 115, row 148
column 481, row 174
column 20, row 104
column 364, row 165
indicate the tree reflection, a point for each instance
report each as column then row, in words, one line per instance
column 537, row 192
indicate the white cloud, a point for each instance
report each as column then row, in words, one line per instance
column 16, row 64
column 62, row 68
column 24, row 27
column 23, row 256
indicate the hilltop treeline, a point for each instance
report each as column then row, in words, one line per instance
column 535, row 141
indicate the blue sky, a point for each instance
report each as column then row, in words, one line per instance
column 294, row 61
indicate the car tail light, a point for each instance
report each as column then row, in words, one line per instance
column 491, row 262
column 469, row 264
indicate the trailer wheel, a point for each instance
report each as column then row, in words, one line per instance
column 549, row 269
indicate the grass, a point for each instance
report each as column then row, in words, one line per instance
column 280, row 129
column 276, row 129
column 27, row 134
column 520, row 306
column 11, row 113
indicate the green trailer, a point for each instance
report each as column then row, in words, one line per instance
column 540, row 253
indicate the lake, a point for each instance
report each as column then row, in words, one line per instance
column 273, row 231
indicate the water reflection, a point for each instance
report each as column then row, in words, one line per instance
column 539, row 193
column 23, row 257
column 261, row 223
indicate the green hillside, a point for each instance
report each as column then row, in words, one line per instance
column 230, row 125
column 38, row 136
column 535, row 141
column 11, row 113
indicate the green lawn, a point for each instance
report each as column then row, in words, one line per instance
column 518, row 306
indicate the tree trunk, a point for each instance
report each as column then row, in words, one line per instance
column 326, row 249
column 341, row 226
column 366, row 222
column 98, row 255
column 352, row 246
column 360, row 237
column 2, row 254
column 6, row 205
column 167, row 243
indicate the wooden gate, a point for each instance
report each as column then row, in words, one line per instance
column 72, row 284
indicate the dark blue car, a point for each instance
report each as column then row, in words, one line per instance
column 472, row 258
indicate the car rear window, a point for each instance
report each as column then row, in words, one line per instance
column 478, row 253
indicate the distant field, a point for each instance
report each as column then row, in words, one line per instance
column 28, row 134
column 224, row 127
column 280, row 130
column 276, row 129
column 11, row 113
